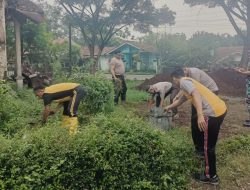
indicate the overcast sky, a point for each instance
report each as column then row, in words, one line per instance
column 192, row 19
column 198, row 18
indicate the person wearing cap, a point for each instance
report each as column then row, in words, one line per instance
column 159, row 92
column 67, row 95
column 117, row 69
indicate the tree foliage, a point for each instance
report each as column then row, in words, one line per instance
column 236, row 10
column 175, row 49
column 100, row 20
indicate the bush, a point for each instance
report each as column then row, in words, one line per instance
column 100, row 95
column 115, row 152
column 233, row 145
column 17, row 109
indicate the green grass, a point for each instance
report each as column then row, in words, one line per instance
column 134, row 95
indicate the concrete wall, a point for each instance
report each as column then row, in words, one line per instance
column 104, row 63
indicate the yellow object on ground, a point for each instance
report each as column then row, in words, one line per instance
column 70, row 123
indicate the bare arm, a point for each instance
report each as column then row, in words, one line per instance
column 150, row 103
column 162, row 94
column 161, row 103
column 242, row 71
column 178, row 96
column 176, row 103
column 112, row 69
column 198, row 105
column 46, row 113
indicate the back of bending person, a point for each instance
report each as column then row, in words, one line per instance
column 160, row 91
column 211, row 111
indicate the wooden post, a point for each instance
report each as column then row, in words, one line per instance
column 3, row 54
column 19, row 78
column 70, row 49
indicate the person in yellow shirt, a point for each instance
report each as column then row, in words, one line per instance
column 211, row 111
column 67, row 95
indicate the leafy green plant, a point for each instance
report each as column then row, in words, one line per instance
column 99, row 93
column 116, row 151
column 18, row 108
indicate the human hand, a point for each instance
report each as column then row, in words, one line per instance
column 52, row 112
column 202, row 123
column 240, row 70
column 167, row 109
column 175, row 98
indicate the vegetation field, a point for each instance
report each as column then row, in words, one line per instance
column 115, row 148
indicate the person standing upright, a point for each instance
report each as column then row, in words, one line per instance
column 117, row 69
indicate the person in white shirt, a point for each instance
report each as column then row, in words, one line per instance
column 159, row 92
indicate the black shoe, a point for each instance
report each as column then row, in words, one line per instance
column 208, row 180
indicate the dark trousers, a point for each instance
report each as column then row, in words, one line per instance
column 173, row 92
column 120, row 88
column 205, row 142
column 71, row 107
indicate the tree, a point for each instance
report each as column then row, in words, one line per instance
column 172, row 49
column 202, row 44
column 175, row 49
column 100, row 20
column 234, row 9
column 213, row 41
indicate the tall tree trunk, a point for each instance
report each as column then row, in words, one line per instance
column 100, row 49
column 19, row 78
column 246, row 50
column 3, row 54
column 92, row 58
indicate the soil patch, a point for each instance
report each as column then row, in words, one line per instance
column 230, row 83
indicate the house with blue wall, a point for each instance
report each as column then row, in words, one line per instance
column 136, row 56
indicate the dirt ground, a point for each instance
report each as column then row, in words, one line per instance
column 232, row 125
column 230, row 83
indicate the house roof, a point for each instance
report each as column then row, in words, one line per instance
column 141, row 46
column 27, row 9
column 85, row 51
column 110, row 50
column 223, row 53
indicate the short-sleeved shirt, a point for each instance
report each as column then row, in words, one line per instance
column 59, row 93
column 119, row 66
column 212, row 105
column 203, row 78
column 162, row 88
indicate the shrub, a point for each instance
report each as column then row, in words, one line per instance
column 115, row 152
column 233, row 145
column 17, row 109
column 100, row 93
